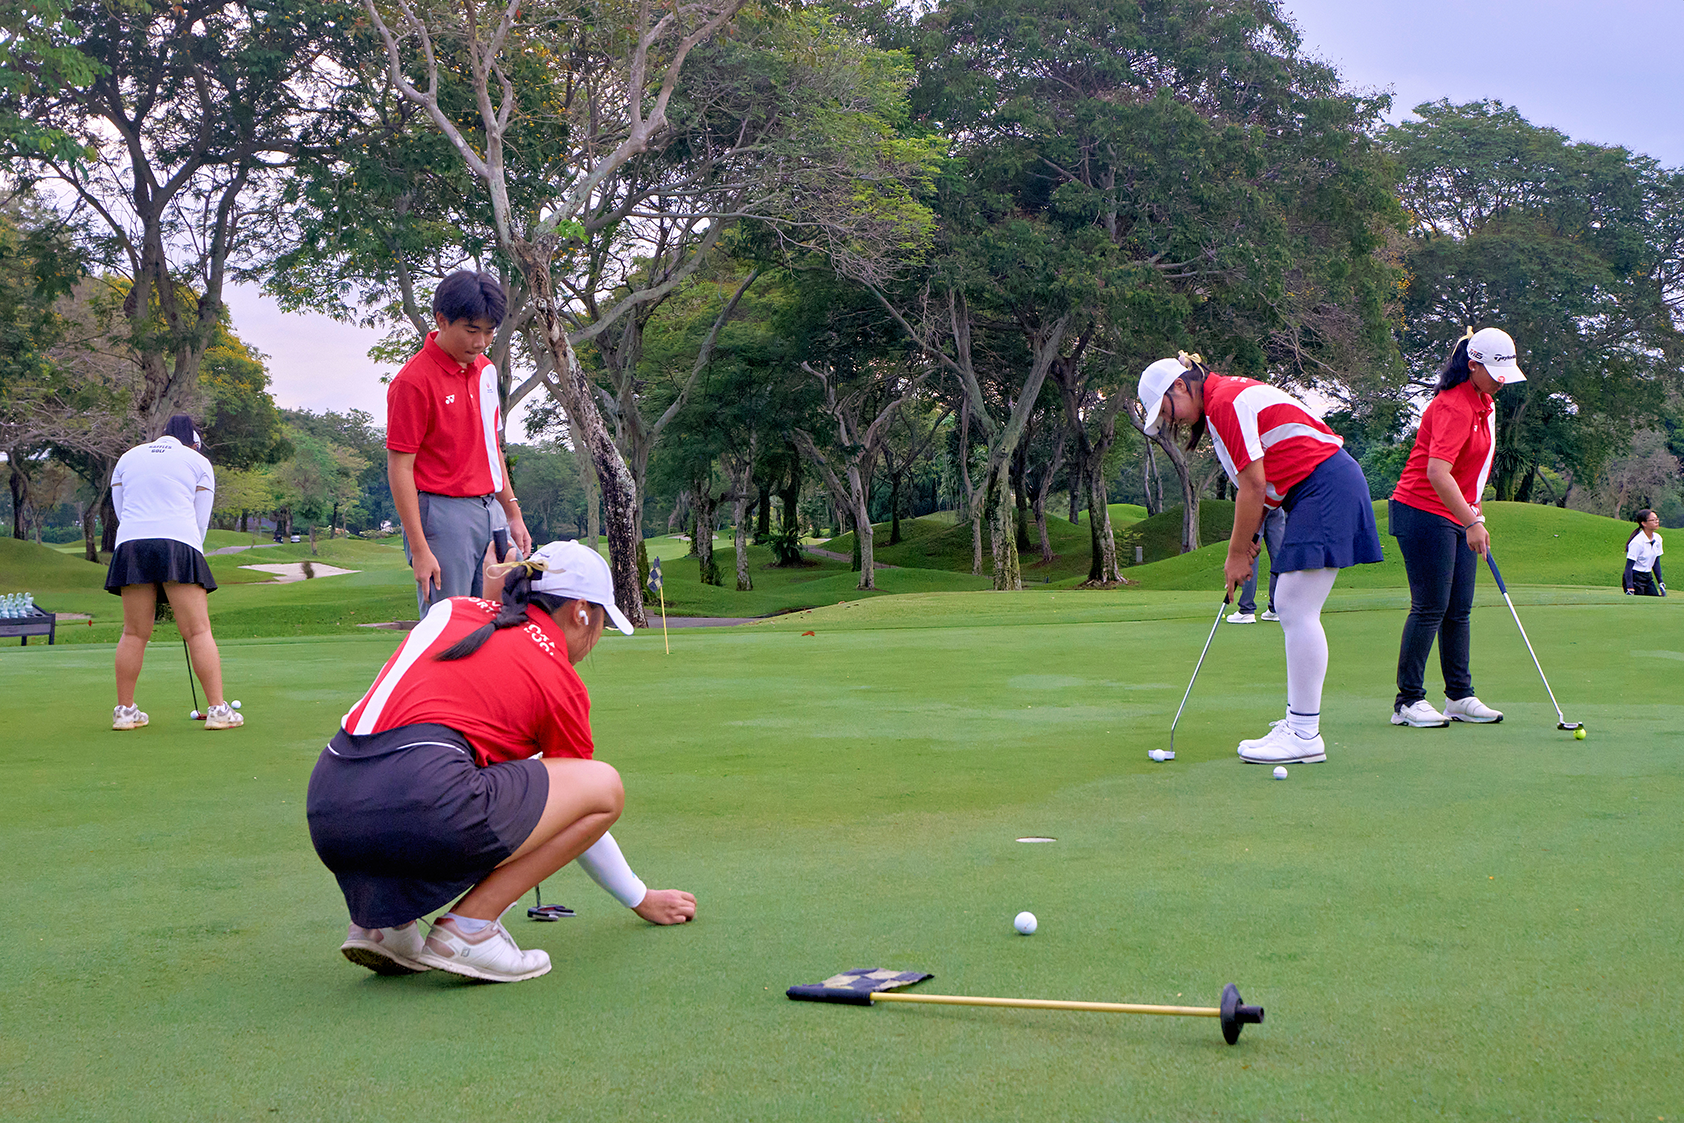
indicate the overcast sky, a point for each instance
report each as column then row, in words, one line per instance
column 1609, row 72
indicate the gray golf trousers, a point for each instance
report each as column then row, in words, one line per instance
column 458, row 529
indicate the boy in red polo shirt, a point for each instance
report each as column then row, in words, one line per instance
column 443, row 459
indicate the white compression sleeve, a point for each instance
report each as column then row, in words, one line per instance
column 1298, row 598
column 203, row 501
column 607, row 867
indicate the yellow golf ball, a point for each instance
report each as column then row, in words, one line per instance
column 1578, row 734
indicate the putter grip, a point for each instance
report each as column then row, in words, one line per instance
column 1491, row 560
column 813, row 992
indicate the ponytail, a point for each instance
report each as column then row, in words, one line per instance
column 517, row 595
column 1642, row 517
column 1455, row 370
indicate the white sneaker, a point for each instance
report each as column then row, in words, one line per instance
column 127, row 717
column 1255, row 741
column 489, row 954
column 1470, row 709
column 1420, row 714
column 223, row 716
column 1242, row 618
column 385, row 951
column 1283, row 746
column 1271, row 614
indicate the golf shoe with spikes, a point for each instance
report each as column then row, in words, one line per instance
column 1471, row 709
column 127, row 717
column 385, row 951
column 489, row 954
column 1283, row 746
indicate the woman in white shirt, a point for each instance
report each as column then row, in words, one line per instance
column 1643, row 558
column 162, row 492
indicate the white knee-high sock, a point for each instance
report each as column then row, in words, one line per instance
column 1298, row 598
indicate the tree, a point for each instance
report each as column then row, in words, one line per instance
column 1576, row 250
column 1130, row 175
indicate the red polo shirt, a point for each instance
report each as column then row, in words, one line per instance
column 1251, row 420
column 1456, row 426
column 513, row 698
column 448, row 418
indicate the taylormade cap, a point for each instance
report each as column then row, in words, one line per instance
column 1493, row 348
column 1155, row 381
column 575, row 571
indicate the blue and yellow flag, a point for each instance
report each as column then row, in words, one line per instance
column 655, row 576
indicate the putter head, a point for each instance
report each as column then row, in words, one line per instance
column 1236, row 1015
column 548, row 912
column 1569, row 725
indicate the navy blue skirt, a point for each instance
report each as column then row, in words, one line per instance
column 408, row 822
column 153, row 561
column 1329, row 520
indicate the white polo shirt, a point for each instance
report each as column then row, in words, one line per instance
column 1642, row 551
column 155, row 489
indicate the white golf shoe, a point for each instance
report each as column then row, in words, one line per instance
column 489, row 954
column 1471, row 709
column 1271, row 614
column 1283, row 746
column 1242, row 618
column 1255, row 741
column 1420, row 715
column 127, row 717
column 385, row 951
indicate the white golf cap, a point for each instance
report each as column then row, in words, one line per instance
column 577, row 572
column 1493, row 348
column 1155, row 381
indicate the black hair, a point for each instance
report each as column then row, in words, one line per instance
column 1455, row 370
column 466, row 295
column 1642, row 517
column 517, row 594
column 182, row 429
column 1194, row 380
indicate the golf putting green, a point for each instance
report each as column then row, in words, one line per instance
column 1472, row 923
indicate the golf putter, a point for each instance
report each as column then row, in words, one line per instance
column 541, row 911
column 1561, row 718
column 1227, row 599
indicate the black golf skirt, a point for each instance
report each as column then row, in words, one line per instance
column 153, row 561
column 408, row 822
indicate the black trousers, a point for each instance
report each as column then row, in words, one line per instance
column 1441, row 572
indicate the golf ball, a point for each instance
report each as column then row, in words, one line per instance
column 192, row 715
column 1579, row 734
column 1280, row 771
column 235, row 703
column 1025, row 923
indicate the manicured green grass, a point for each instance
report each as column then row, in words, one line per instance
column 1468, row 924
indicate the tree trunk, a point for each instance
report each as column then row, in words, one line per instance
column 1104, row 568
column 894, row 508
column 108, row 523
column 20, row 497
column 90, row 548
column 1007, row 575
column 763, row 514
column 705, row 506
column 790, row 495
column 1020, row 497
column 862, row 529
column 739, row 511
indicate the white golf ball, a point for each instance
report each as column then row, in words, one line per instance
column 1025, row 923
column 1280, row 771
column 235, row 704
column 192, row 715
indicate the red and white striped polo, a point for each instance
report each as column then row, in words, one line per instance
column 1250, row 420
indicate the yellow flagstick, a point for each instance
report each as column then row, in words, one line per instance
column 662, row 590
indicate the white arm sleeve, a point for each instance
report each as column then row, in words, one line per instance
column 202, row 501
column 607, row 867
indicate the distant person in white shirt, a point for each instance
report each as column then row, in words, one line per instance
column 1643, row 558
column 162, row 493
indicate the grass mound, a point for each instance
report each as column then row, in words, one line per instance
column 943, row 541
column 26, row 566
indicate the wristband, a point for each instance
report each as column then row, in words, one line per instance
column 1477, row 519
